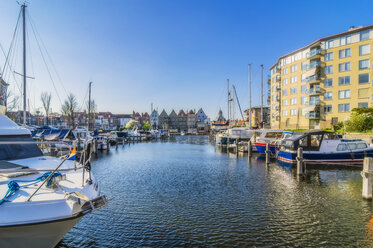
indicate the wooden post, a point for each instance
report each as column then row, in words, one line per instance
column 300, row 161
column 249, row 149
column 236, row 146
column 267, row 154
column 367, row 177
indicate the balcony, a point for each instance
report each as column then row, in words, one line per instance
column 313, row 115
column 278, row 78
column 314, row 102
column 277, row 97
column 313, row 91
column 313, row 79
column 278, row 68
column 313, row 64
column 278, row 87
column 314, row 54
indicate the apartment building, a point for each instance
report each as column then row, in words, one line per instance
column 319, row 85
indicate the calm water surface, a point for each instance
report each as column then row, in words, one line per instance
column 187, row 193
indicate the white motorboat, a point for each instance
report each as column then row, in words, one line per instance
column 41, row 197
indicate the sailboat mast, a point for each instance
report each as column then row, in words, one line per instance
column 261, row 93
column 24, row 62
column 228, row 99
column 89, row 107
column 249, row 95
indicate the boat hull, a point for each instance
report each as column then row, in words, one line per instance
column 40, row 235
column 346, row 158
column 261, row 148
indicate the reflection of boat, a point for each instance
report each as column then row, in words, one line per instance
column 221, row 138
column 321, row 147
column 267, row 136
column 42, row 197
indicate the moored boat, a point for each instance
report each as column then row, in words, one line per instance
column 42, row 197
column 322, row 147
column 267, row 136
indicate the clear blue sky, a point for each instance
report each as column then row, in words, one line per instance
column 176, row 54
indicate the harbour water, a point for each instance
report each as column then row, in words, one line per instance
column 186, row 193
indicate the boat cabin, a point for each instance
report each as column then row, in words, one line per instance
column 309, row 141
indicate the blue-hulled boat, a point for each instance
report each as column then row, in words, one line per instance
column 268, row 136
column 322, row 147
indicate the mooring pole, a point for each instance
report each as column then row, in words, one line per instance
column 367, row 177
column 267, row 154
column 249, row 149
column 237, row 147
column 300, row 161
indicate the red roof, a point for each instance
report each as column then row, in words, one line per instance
column 191, row 112
column 181, row 112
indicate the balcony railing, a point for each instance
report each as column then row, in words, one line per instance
column 313, row 102
column 313, row 64
column 278, row 68
column 313, row 79
column 315, row 90
column 278, row 87
column 277, row 98
column 313, row 52
column 278, row 78
column 313, row 115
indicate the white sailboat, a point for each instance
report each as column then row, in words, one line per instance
column 41, row 197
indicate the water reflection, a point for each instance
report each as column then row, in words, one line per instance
column 186, row 192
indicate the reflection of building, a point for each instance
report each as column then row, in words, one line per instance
column 255, row 116
column 319, row 84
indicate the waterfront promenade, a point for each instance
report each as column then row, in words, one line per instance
column 184, row 192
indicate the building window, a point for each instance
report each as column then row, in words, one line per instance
column 344, row 80
column 364, row 78
column 293, row 112
column 293, row 79
column 328, row 82
column 345, row 53
column 362, row 105
column 285, row 102
column 329, row 44
column 328, row 56
column 303, row 100
column 304, row 88
column 293, row 101
column 328, row 69
column 344, row 107
column 284, row 113
column 304, row 66
column 345, row 67
column 304, row 77
column 293, row 68
column 364, row 35
column 363, row 64
column 285, row 81
column 342, row 94
column 328, row 108
column 345, row 40
column 286, row 71
column 285, row 92
column 328, row 95
column 364, row 49
column 293, row 90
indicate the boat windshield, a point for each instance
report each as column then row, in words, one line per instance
column 273, row 135
column 18, row 151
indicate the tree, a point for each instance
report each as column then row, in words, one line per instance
column 146, row 126
column 361, row 120
column 46, row 100
column 69, row 107
column 131, row 124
